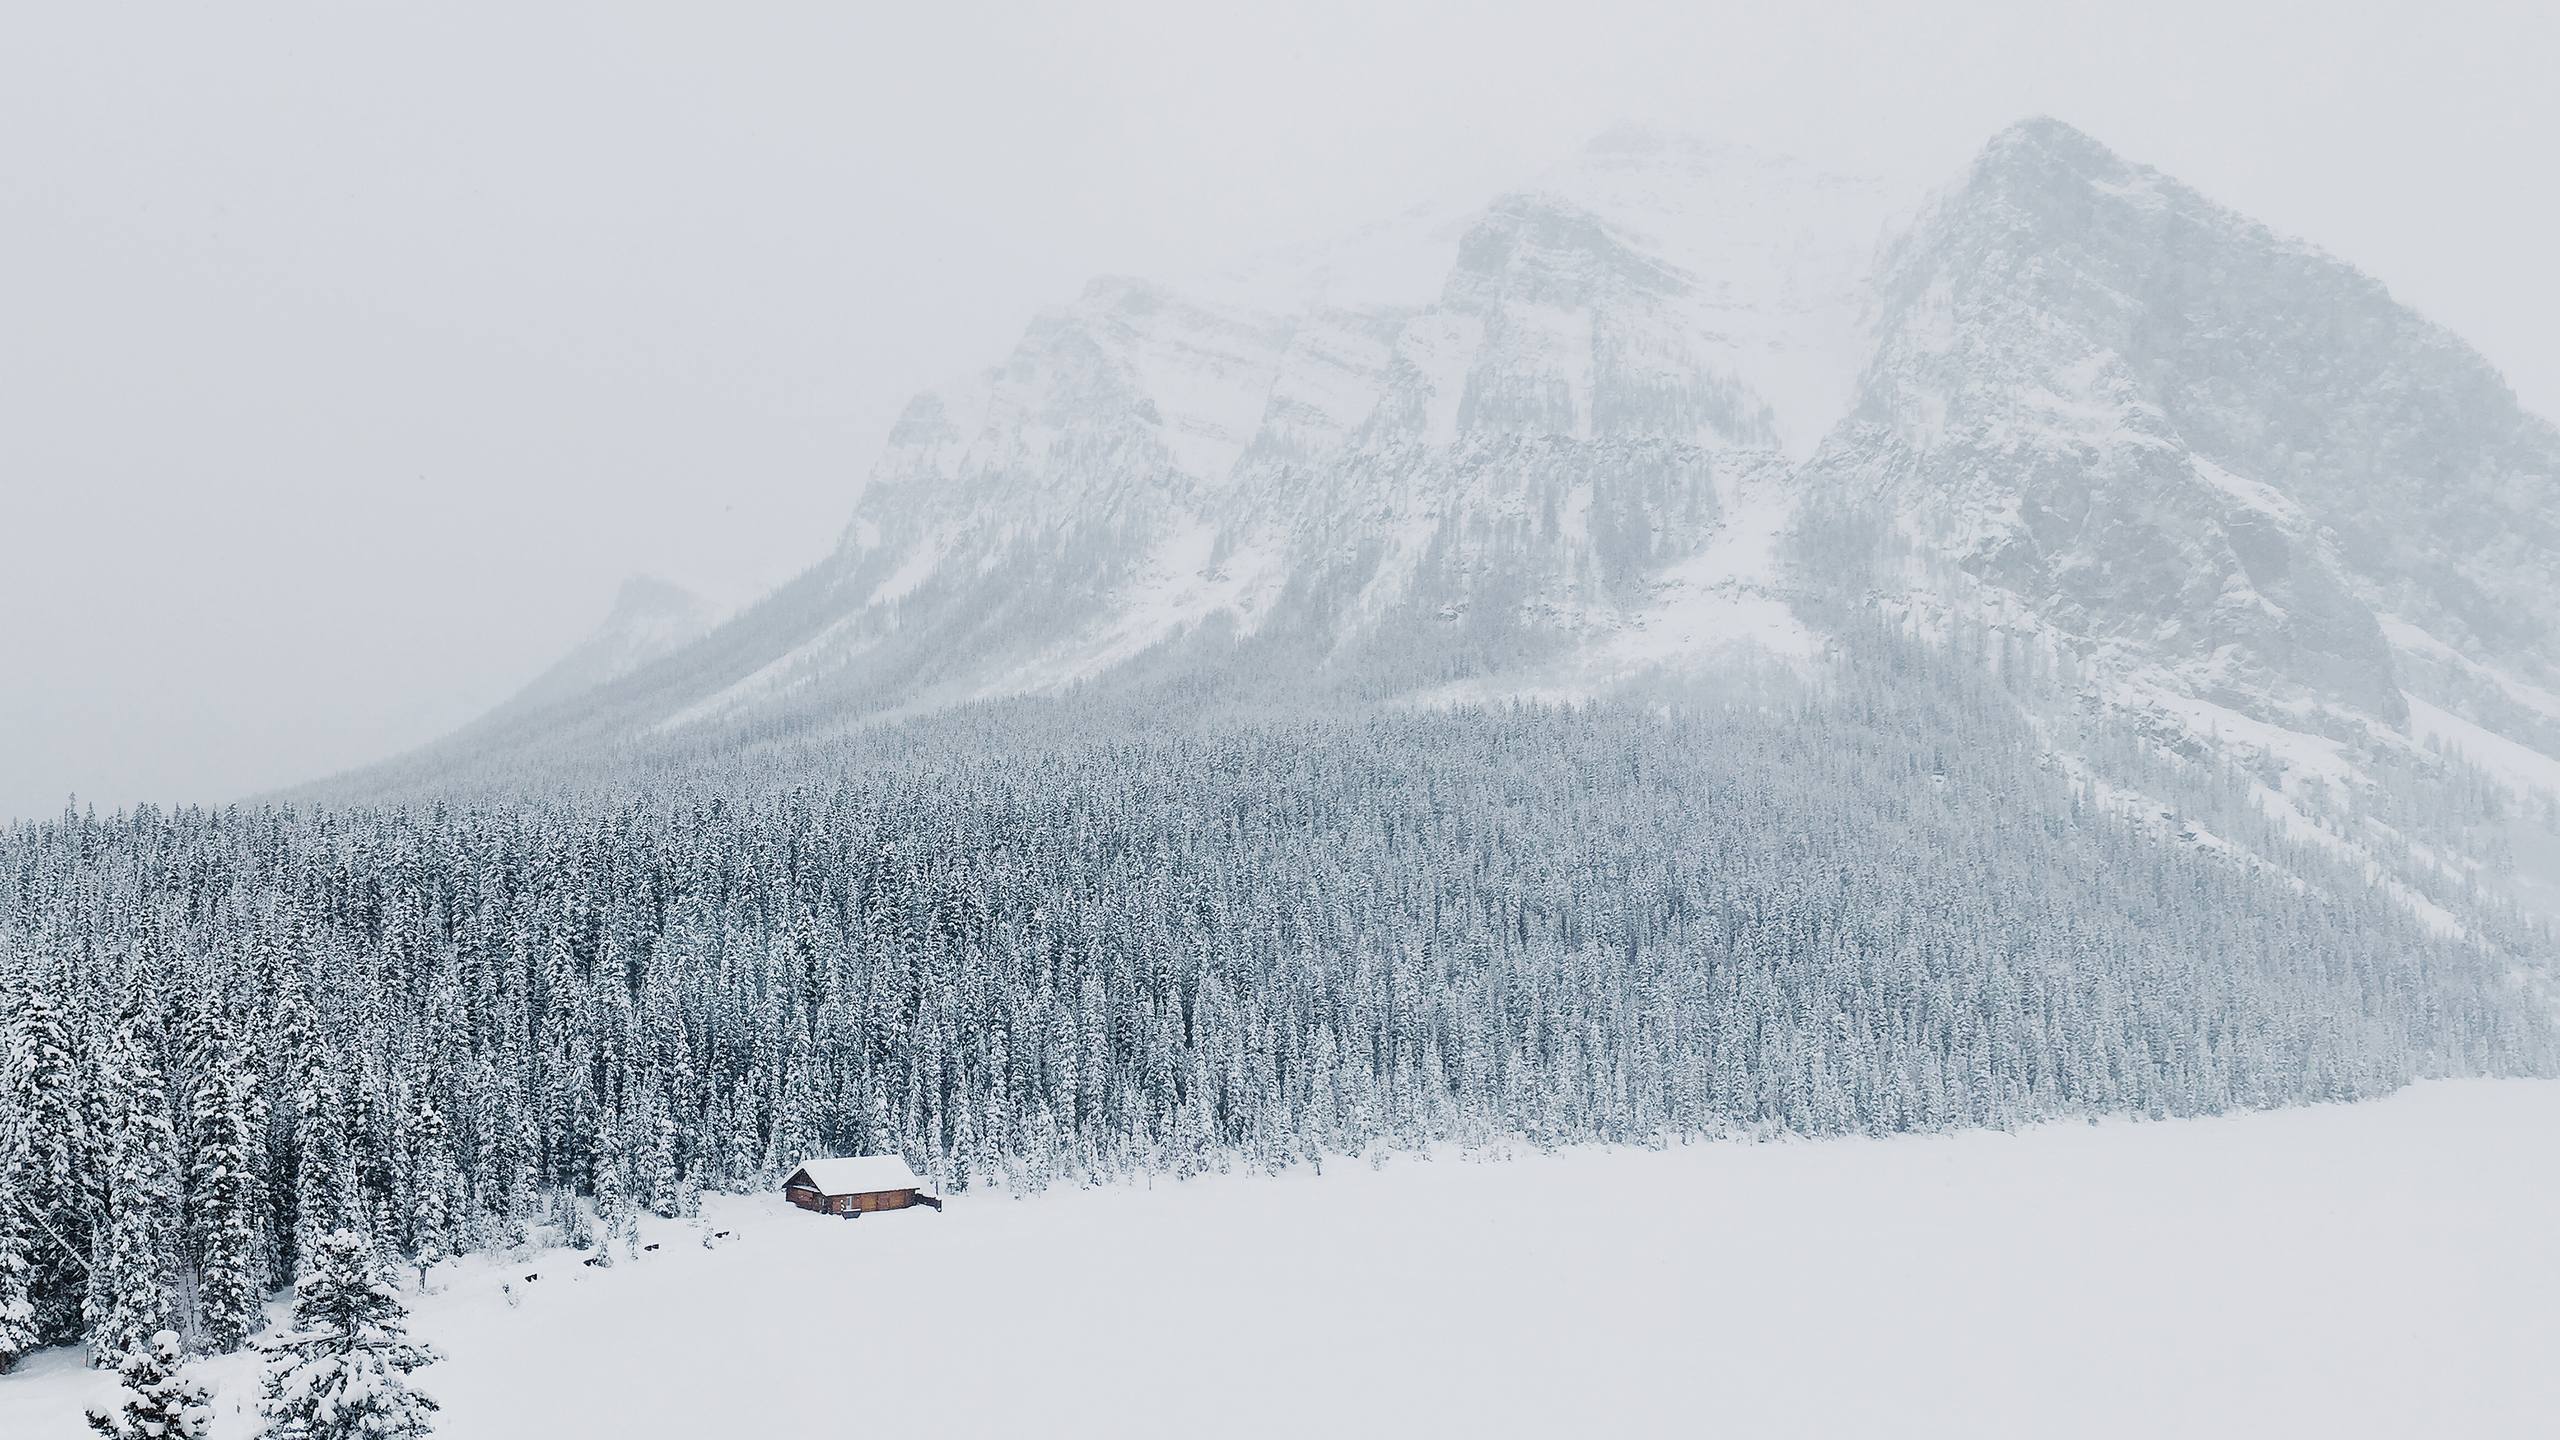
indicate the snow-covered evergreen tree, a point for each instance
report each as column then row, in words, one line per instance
column 17, row 1288
column 226, row 1200
column 132, row 1268
column 326, row 1195
column 438, row 1201
column 612, row 1193
column 47, row 1155
column 342, row 1371
column 662, row 1183
column 159, row 1402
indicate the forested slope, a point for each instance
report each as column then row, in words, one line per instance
column 1021, row 949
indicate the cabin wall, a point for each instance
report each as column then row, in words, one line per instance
column 801, row 1191
column 850, row 1204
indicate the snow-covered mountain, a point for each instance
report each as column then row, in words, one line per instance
column 2257, row 508
column 2177, row 436
column 2262, row 553
column 1570, row 452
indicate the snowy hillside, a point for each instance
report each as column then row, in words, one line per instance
column 2208, row 1277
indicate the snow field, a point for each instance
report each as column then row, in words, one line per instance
column 2384, row 1269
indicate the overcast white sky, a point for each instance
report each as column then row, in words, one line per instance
column 351, row 354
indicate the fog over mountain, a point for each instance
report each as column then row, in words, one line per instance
column 650, row 618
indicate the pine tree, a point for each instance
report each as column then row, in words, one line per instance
column 663, row 1183
column 438, row 1208
column 342, row 1372
column 228, row 1200
column 131, row 1283
column 385, row 1236
column 744, row 1146
column 326, row 1197
column 17, row 1293
column 160, row 1403
column 571, row 1225
column 613, row 1204
column 44, row 1165
column 300, row 1062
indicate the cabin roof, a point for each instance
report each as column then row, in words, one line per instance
column 859, row 1174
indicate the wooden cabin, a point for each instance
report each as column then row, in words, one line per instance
column 856, row 1185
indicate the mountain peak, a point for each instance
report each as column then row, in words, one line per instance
column 2046, row 148
column 2043, row 130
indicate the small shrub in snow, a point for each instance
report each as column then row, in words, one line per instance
column 160, row 1403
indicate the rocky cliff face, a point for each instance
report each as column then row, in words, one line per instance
column 2019, row 431
column 2235, row 490
column 1678, row 412
column 2171, row 434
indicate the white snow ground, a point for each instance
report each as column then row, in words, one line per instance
column 2382, row 1269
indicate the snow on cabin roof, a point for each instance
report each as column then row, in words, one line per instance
column 860, row 1174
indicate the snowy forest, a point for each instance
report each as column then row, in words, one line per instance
column 1023, row 959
